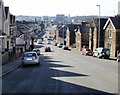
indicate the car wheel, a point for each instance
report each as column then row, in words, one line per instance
column 98, row 56
column 38, row 64
column 93, row 55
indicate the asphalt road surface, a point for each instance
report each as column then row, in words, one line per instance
column 63, row 71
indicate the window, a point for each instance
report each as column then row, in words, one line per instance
column 109, row 34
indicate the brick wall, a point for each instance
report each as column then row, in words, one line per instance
column 78, row 40
column 68, row 38
column 95, row 37
column 5, row 57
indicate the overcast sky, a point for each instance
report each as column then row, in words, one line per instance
column 53, row 7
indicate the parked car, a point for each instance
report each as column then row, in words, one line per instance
column 37, row 50
column 30, row 58
column 64, row 47
column 47, row 49
column 118, row 57
column 56, row 44
column 86, row 51
column 101, row 52
column 60, row 45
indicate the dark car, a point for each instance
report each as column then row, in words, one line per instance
column 101, row 52
column 37, row 50
column 47, row 49
column 60, row 45
column 56, row 44
column 118, row 57
column 86, row 51
column 64, row 47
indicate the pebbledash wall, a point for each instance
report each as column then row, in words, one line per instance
column 119, row 7
column 5, row 57
column 0, row 58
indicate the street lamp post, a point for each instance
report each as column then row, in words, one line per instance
column 99, row 27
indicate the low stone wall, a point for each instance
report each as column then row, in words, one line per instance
column 5, row 57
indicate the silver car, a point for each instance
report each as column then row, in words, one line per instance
column 30, row 58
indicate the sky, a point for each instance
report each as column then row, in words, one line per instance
column 53, row 7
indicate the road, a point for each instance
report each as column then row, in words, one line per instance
column 64, row 71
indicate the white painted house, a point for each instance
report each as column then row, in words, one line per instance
column 2, row 27
column 2, row 34
column 7, row 29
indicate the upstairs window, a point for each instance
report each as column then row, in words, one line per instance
column 109, row 34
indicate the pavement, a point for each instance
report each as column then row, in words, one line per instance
column 10, row 66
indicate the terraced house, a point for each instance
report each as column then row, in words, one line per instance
column 112, row 35
column 2, row 34
column 93, row 33
column 6, row 33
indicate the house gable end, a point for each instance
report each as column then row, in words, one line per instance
column 6, row 11
column 107, row 23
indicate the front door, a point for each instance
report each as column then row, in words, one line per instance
column 8, row 45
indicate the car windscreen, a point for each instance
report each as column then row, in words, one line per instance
column 29, row 55
column 106, row 51
column 35, row 50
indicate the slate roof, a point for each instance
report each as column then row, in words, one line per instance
column 6, row 11
column 12, row 18
column 73, row 27
column 84, row 27
column 102, row 22
column 116, row 21
column 96, row 21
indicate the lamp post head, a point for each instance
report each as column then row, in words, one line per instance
column 98, row 5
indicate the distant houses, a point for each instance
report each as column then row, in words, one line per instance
column 85, row 34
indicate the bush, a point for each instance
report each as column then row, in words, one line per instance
column 73, row 46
